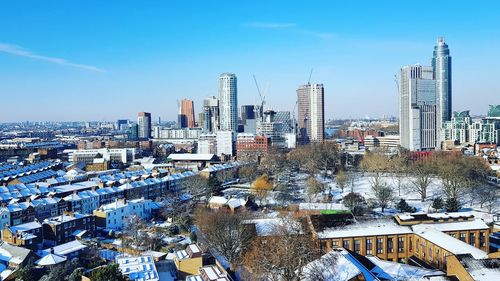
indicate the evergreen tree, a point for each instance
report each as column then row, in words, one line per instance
column 452, row 204
column 437, row 203
column 404, row 207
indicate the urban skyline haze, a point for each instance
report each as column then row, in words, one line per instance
column 93, row 60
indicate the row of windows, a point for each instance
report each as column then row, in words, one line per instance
column 369, row 245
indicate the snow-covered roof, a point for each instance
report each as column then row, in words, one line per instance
column 272, row 226
column 334, row 266
column 190, row 157
column 50, row 259
column 368, row 228
column 217, row 200
column 445, row 241
column 481, row 270
column 387, row 270
column 321, row 206
column 66, row 248
column 25, row 227
column 138, row 268
column 476, row 224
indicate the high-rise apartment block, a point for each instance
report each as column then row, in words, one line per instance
column 228, row 102
column 311, row 113
column 417, row 112
column 210, row 114
column 144, row 125
column 441, row 64
column 186, row 114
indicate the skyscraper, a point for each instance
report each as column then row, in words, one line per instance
column 247, row 112
column 228, row 102
column 441, row 65
column 144, row 125
column 210, row 114
column 186, row 114
column 311, row 113
column 417, row 109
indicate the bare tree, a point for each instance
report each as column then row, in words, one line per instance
column 342, row 179
column 224, row 232
column 282, row 254
column 422, row 177
column 354, row 202
column 383, row 194
column 314, row 187
column 197, row 186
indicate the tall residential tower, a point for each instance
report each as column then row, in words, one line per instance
column 441, row 64
column 228, row 102
column 144, row 125
column 186, row 114
column 417, row 108
column 311, row 113
column 210, row 114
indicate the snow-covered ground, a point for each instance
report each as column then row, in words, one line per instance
column 362, row 185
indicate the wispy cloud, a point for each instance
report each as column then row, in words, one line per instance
column 19, row 51
column 270, row 25
column 292, row 27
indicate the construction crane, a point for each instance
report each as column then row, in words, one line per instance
column 261, row 96
column 310, row 74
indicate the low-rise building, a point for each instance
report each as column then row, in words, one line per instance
column 189, row 261
column 68, row 227
column 138, row 268
column 28, row 235
column 113, row 216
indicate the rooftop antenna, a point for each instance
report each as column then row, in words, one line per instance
column 310, row 74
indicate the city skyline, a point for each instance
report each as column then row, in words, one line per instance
column 56, row 54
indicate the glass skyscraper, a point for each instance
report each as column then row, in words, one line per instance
column 441, row 65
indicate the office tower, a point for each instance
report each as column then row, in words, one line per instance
column 441, row 64
column 228, row 102
column 247, row 113
column 133, row 132
column 122, row 124
column 144, row 125
column 186, row 114
column 417, row 111
column 210, row 114
column 311, row 113
column 200, row 119
column 285, row 118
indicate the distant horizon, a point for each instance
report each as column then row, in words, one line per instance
column 94, row 60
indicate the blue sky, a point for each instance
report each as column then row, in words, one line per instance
column 104, row 60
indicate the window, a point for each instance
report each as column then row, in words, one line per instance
column 390, row 245
column 345, row 244
column 481, row 239
column 380, row 245
column 430, row 253
column 462, row 237
column 417, row 247
column 357, row 246
column 472, row 238
column 369, row 246
column 401, row 244
column 335, row 243
column 411, row 244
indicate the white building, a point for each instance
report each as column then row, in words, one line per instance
column 207, row 144
column 114, row 216
column 228, row 102
column 417, row 109
column 311, row 112
column 123, row 155
column 225, row 143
